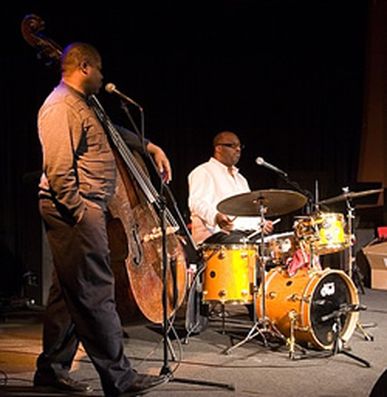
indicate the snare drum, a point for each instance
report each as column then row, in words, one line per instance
column 309, row 296
column 229, row 273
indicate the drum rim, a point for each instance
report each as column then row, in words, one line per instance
column 305, row 331
column 353, row 317
column 230, row 246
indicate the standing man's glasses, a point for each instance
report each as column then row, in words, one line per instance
column 232, row 145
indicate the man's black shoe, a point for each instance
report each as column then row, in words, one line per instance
column 61, row 383
column 143, row 383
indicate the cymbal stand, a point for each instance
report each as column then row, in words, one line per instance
column 353, row 271
column 260, row 326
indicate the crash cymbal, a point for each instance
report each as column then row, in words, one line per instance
column 277, row 202
column 349, row 196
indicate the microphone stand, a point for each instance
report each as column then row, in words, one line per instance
column 311, row 204
column 166, row 369
column 338, row 343
column 191, row 324
column 141, row 136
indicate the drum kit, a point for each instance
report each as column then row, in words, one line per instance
column 295, row 298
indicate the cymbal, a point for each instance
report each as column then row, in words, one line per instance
column 277, row 202
column 350, row 195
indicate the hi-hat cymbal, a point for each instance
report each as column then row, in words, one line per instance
column 277, row 202
column 349, row 196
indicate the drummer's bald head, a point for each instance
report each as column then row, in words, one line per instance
column 221, row 137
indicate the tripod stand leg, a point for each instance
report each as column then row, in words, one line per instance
column 368, row 337
column 203, row 383
column 254, row 331
column 347, row 353
column 223, row 319
column 338, row 345
column 171, row 349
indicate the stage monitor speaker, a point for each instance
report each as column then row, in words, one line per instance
column 377, row 258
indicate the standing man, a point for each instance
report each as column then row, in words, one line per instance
column 213, row 181
column 79, row 174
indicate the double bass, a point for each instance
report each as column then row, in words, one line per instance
column 135, row 230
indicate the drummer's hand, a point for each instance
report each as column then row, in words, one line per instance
column 268, row 227
column 224, row 222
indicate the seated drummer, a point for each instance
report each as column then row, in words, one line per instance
column 210, row 183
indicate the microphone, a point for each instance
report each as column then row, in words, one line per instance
column 111, row 89
column 261, row 161
column 343, row 309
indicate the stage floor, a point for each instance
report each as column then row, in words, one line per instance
column 253, row 369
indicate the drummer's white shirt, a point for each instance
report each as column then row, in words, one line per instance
column 209, row 184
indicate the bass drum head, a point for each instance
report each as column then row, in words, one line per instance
column 334, row 290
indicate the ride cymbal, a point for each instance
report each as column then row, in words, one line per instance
column 349, row 196
column 276, row 202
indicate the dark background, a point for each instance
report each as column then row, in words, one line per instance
column 287, row 76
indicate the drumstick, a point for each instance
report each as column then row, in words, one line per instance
column 259, row 229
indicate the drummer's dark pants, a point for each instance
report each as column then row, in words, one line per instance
column 81, row 305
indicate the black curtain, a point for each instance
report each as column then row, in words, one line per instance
column 287, row 76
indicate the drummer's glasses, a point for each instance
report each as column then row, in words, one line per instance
column 233, row 145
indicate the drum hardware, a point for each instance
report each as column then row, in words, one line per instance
column 291, row 341
column 353, row 270
column 302, row 329
column 347, row 195
column 263, row 325
column 338, row 342
column 261, row 203
column 361, row 328
column 322, row 292
column 296, row 297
